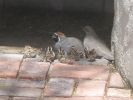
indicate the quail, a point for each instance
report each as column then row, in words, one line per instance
column 70, row 45
column 92, row 41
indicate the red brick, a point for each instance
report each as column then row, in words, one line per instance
column 79, row 71
column 91, row 88
column 116, row 80
column 115, row 92
column 33, row 70
column 4, row 98
column 24, row 98
column 73, row 98
column 16, row 91
column 118, row 98
column 22, row 83
column 9, row 64
column 59, row 87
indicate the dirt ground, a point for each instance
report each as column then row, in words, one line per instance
column 20, row 27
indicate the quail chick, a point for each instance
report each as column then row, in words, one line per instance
column 50, row 55
column 60, row 54
column 91, row 55
column 67, row 44
column 75, row 54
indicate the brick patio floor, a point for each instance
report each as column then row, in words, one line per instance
column 22, row 79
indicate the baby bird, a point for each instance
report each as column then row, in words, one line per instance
column 67, row 44
column 50, row 55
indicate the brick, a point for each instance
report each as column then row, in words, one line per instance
column 115, row 92
column 116, row 80
column 73, row 98
column 4, row 98
column 16, row 91
column 9, row 65
column 22, row 83
column 79, row 71
column 118, row 98
column 59, row 87
column 33, row 70
column 24, row 98
column 90, row 88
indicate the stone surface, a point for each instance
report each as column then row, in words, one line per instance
column 10, row 49
column 73, row 98
column 118, row 98
column 122, row 37
column 24, row 98
column 79, row 71
column 4, row 98
column 22, row 83
column 115, row 92
column 33, row 59
column 33, row 70
column 59, row 87
column 101, row 61
column 116, row 80
column 9, row 64
column 90, row 88
column 15, row 91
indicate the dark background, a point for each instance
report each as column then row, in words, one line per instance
column 31, row 22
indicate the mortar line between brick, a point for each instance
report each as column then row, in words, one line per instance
column 17, row 76
column 45, row 83
column 47, row 73
column 75, row 88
